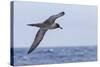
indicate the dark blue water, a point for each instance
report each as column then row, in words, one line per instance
column 54, row 55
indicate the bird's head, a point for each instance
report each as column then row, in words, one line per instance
column 58, row 26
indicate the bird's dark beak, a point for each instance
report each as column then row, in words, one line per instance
column 60, row 27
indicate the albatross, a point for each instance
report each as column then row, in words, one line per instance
column 46, row 25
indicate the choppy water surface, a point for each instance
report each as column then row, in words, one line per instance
column 53, row 55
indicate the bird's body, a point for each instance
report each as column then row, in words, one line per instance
column 46, row 25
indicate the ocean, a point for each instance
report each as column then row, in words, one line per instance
column 54, row 55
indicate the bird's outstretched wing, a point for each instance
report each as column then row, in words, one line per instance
column 52, row 18
column 39, row 36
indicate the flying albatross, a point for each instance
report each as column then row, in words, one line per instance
column 47, row 24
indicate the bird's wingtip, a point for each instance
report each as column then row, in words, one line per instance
column 63, row 12
column 28, row 52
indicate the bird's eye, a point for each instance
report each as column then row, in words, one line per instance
column 57, row 25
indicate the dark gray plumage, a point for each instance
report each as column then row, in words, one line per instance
column 47, row 24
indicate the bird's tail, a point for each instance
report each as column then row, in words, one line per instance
column 36, row 25
column 31, row 24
